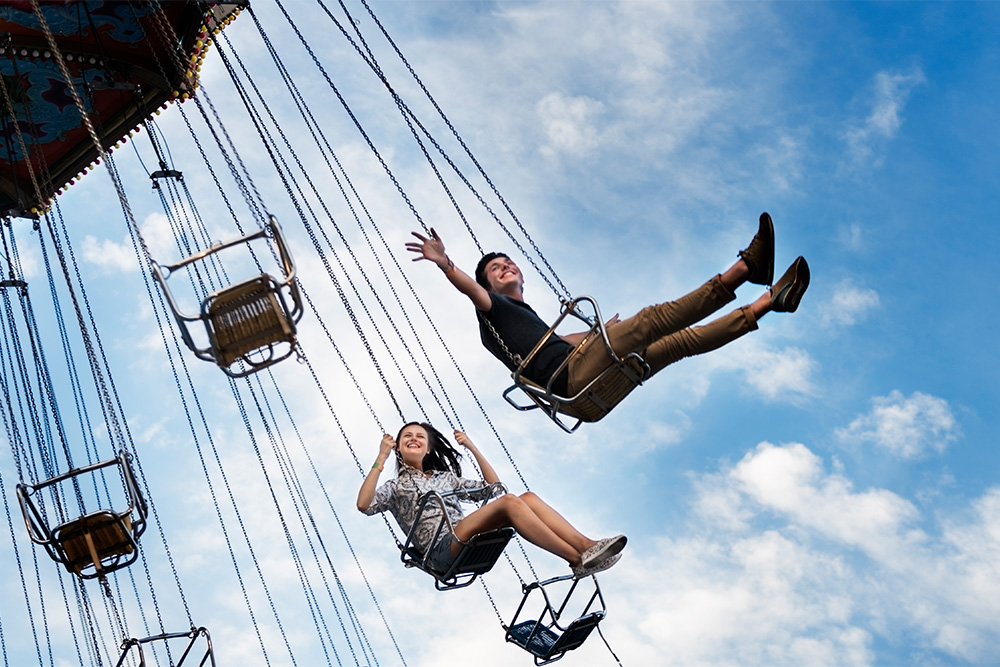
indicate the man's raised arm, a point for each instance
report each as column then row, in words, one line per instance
column 433, row 249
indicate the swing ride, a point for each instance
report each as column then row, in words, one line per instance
column 80, row 80
column 95, row 543
column 596, row 399
column 478, row 555
column 548, row 640
column 253, row 321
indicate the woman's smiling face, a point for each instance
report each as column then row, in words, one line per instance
column 413, row 445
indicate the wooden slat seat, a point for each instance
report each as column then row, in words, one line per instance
column 96, row 543
column 251, row 324
column 248, row 318
column 601, row 396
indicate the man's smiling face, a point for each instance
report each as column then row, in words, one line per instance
column 502, row 274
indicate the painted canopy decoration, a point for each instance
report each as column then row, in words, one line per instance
column 126, row 59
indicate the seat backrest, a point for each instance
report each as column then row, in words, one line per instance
column 601, row 395
column 482, row 552
column 546, row 644
column 195, row 644
column 576, row 633
column 477, row 557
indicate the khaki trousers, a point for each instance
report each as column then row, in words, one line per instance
column 664, row 333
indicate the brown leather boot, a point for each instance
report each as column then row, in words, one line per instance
column 759, row 255
column 787, row 292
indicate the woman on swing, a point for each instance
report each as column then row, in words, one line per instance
column 426, row 461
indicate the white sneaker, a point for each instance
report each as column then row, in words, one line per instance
column 605, row 548
column 581, row 571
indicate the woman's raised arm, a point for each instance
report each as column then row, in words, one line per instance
column 489, row 475
column 367, row 491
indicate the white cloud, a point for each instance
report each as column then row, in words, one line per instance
column 850, row 304
column 633, row 83
column 119, row 257
column 765, row 598
column 656, row 432
column 906, row 427
column 781, row 160
column 787, row 563
column 29, row 260
column 720, row 504
column 775, row 374
column 889, row 94
column 569, row 124
column 159, row 237
column 731, row 592
column 791, row 480
column 977, row 548
column 109, row 256
column 852, row 237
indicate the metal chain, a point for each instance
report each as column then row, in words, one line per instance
column 283, row 170
column 610, row 650
column 277, row 506
column 515, row 358
column 406, row 117
column 20, row 568
column 328, row 215
column 20, row 137
column 333, row 510
column 182, row 363
column 142, row 474
column 85, row 117
column 328, row 154
column 565, row 292
column 301, row 505
column 412, row 290
column 350, row 113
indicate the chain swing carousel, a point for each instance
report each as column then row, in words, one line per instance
column 86, row 500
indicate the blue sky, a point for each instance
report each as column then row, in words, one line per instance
column 822, row 491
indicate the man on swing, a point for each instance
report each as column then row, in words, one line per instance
column 661, row 334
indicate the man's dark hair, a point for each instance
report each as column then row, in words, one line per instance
column 481, row 268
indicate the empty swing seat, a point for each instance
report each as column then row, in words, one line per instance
column 594, row 401
column 547, row 645
column 247, row 318
column 250, row 325
column 96, row 543
column 546, row 638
